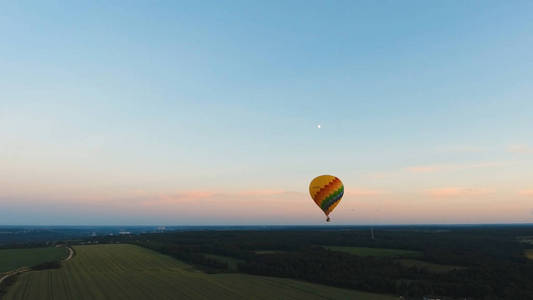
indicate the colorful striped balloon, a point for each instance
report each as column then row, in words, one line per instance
column 327, row 192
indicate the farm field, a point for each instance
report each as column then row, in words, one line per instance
column 431, row 267
column 122, row 271
column 363, row 251
column 11, row 259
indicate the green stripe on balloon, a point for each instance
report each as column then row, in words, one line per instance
column 331, row 198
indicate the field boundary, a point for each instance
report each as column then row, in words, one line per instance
column 13, row 273
column 70, row 254
column 21, row 270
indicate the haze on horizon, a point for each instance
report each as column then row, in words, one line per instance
column 193, row 113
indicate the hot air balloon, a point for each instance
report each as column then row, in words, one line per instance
column 327, row 192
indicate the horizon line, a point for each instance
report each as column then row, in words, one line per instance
column 273, row 225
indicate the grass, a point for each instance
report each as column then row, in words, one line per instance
column 431, row 267
column 363, row 251
column 529, row 253
column 11, row 259
column 122, row 271
column 232, row 262
column 269, row 251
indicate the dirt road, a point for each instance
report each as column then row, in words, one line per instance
column 14, row 272
column 70, row 254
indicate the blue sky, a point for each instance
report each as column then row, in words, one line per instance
column 148, row 100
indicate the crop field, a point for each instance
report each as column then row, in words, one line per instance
column 363, row 251
column 122, row 271
column 431, row 267
column 11, row 259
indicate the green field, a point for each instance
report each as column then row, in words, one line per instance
column 529, row 253
column 431, row 267
column 232, row 262
column 269, row 251
column 11, row 259
column 363, row 251
column 123, row 271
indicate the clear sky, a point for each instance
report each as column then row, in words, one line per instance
column 200, row 112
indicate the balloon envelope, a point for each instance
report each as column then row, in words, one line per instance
column 326, row 191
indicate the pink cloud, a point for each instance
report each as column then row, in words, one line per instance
column 526, row 192
column 363, row 192
column 249, row 206
column 264, row 192
column 195, row 207
column 451, row 167
column 197, row 197
column 455, row 192
column 177, row 198
column 196, row 194
column 261, row 203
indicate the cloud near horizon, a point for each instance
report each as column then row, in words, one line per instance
column 363, row 192
column 527, row 192
column 260, row 207
column 462, row 148
column 521, row 148
column 430, row 168
column 456, row 191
